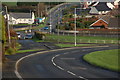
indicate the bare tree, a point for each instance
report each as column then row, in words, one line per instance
column 40, row 9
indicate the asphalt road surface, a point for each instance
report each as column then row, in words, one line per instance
column 65, row 63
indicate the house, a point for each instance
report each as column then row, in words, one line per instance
column 107, row 22
column 21, row 18
column 116, row 3
column 101, row 23
column 114, row 23
column 100, row 8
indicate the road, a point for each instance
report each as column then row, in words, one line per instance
column 62, row 63
column 56, row 15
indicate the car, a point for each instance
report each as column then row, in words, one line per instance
column 18, row 35
column 45, row 28
column 28, row 36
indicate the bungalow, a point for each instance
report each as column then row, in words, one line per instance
column 108, row 22
column 101, row 23
column 101, row 8
column 114, row 23
column 21, row 18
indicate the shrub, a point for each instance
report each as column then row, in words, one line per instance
column 10, row 51
column 40, row 35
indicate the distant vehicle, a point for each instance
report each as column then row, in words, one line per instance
column 28, row 31
column 28, row 36
column 45, row 28
column 18, row 35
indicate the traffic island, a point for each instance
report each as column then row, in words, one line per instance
column 107, row 59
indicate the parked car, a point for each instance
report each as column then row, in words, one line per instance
column 18, row 35
column 28, row 36
column 45, row 28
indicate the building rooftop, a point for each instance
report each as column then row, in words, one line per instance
column 20, row 15
column 102, row 6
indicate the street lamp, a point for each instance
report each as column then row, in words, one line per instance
column 75, row 25
column 8, row 25
column 50, row 20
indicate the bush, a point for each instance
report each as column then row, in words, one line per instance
column 10, row 51
column 40, row 35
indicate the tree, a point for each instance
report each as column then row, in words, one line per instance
column 3, row 36
column 40, row 9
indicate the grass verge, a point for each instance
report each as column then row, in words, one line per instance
column 107, row 59
column 72, row 45
column 22, row 51
column 80, row 39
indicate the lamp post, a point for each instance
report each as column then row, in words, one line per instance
column 8, row 25
column 75, row 27
column 50, row 20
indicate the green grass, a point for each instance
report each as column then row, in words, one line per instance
column 80, row 39
column 10, row 3
column 41, row 25
column 107, row 59
column 72, row 45
column 22, row 51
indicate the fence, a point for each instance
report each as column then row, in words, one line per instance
column 93, row 32
column 69, row 40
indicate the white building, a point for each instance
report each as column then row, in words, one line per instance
column 21, row 18
column 116, row 3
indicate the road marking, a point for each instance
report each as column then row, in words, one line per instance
column 66, row 53
column 60, row 67
column 82, row 78
column 63, row 68
column 18, row 75
column 16, row 65
column 71, row 72
column 75, row 51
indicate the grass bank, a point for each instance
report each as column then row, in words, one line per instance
column 22, row 51
column 107, row 59
column 72, row 45
column 80, row 39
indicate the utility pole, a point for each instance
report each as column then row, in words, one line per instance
column 58, row 22
column 30, row 21
column 58, row 19
column 75, row 26
column 8, row 28
column 50, row 20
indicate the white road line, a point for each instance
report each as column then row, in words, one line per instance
column 71, row 72
column 16, row 65
column 63, row 68
column 60, row 67
column 75, row 51
column 82, row 78
column 18, row 75
column 66, row 53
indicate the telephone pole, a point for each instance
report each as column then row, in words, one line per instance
column 8, row 28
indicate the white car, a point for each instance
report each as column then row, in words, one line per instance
column 18, row 35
